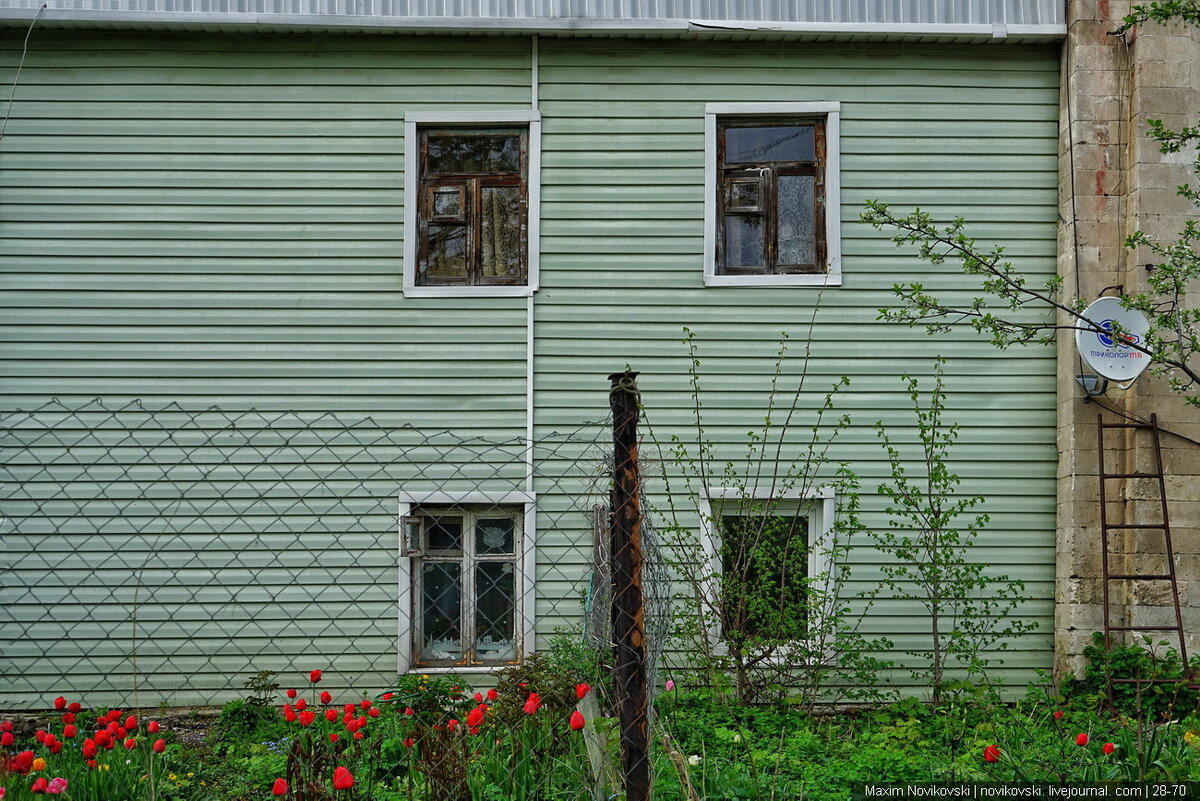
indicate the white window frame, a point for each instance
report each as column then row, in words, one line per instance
column 415, row 120
column 818, row 504
column 831, row 111
column 523, row 584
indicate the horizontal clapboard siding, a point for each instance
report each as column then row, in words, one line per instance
column 215, row 220
column 958, row 132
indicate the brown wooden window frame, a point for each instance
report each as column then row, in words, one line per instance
column 470, row 187
column 767, row 174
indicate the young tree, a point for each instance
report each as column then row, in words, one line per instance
column 1012, row 311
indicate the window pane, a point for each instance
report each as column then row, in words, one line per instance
column 447, row 256
column 494, row 535
column 494, row 611
column 447, row 202
column 500, row 230
column 474, row 154
column 797, row 220
column 743, row 195
column 445, row 533
column 441, row 608
column 770, row 143
column 743, row 242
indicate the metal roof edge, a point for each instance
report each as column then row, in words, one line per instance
column 199, row 20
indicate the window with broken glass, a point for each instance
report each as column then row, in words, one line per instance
column 764, row 575
column 771, row 196
column 465, row 575
column 471, row 208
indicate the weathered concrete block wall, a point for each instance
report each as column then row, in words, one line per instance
column 1114, row 181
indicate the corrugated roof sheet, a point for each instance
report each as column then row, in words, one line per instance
column 904, row 18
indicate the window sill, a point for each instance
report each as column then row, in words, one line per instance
column 444, row 670
column 821, row 280
column 469, row 291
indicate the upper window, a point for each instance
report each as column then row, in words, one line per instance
column 771, row 206
column 471, row 204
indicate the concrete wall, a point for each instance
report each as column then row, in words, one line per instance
column 1114, row 181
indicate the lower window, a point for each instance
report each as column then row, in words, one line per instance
column 764, row 575
column 465, row 567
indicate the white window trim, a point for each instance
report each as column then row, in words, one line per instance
column 522, row 588
column 819, row 502
column 833, row 204
column 416, row 119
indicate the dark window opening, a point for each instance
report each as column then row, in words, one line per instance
column 771, row 196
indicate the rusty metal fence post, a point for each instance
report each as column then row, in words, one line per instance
column 628, row 622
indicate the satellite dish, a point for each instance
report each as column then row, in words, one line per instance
column 1111, row 356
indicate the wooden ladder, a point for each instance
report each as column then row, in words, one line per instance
column 1165, row 527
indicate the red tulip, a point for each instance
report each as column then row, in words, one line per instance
column 991, row 753
column 453, row 724
column 348, row 708
column 479, row 698
column 301, row 704
column 130, row 744
column 576, row 720
column 473, row 730
column 6, row 739
column 373, row 712
column 475, row 717
column 40, row 736
column 290, row 694
column 23, row 762
column 491, row 694
column 331, row 715
column 113, row 715
column 1082, row 739
column 1109, row 748
column 68, row 717
column 89, row 748
column 408, row 742
column 1058, row 714
column 388, row 696
column 152, row 727
column 39, row 785
column 5, row 725
column 159, row 746
column 362, row 721
column 581, row 690
column 91, row 763
column 289, row 714
column 60, row 703
column 532, row 704
column 333, row 738
column 315, row 676
column 55, row 747
column 408, row 710
column 342, row 779
column 326, row 697
column 279, row 788
column 131, row 722
column 103, row 738
column 366, row 703
column 69, row 731
column 358, row 735
column 306, row 718
column 74, row 707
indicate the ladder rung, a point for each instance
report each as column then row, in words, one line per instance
column 1167, row 577
column 1139, row 526
column 1143, row 628
column 1126, row 425
column 1131, row 475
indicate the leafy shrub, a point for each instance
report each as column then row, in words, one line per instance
column 1168, row 699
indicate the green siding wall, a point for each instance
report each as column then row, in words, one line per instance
column 216, row 219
